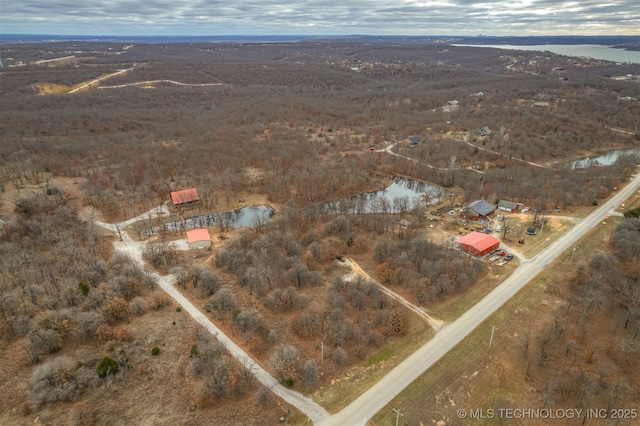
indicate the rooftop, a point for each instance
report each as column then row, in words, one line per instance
column 482, row 207
column 198, row 235
column 184, row 196
column 478, row 240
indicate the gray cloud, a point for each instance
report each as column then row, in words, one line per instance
column 410, row 17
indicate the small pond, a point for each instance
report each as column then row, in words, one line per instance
column 244, row 217
column 606, row 159
column 398, row 197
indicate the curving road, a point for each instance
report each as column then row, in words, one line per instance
column 380, row 394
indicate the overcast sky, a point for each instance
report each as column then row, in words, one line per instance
column 321, row 17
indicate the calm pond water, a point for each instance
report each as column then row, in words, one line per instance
column 244, row 217
column 595, row 51
column 606, row 159
column 398, row 197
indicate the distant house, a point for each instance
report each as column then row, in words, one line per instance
column 450, row 106
column 184, row 197
column 478, row 244
column 411, row 140
column 508, row 206
column 479, row 209
column 198, row 238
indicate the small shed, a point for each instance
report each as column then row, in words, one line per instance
column 508, row 206
column 184, row 197
column 478, row 244
column 198, row 238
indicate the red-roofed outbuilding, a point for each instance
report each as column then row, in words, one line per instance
column 184, row 197
column 198, row 238
column 478, row 244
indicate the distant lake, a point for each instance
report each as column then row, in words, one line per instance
column 594, row 51
column 241, row 218
column 398, row 197
column 606, row 159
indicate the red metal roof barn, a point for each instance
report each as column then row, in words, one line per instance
column 478, row 244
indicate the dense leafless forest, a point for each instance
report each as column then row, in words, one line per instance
column 588, row 352
column 289, row 125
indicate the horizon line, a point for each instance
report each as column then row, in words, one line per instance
column 316, row 35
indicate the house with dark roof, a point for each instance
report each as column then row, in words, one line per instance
column 479, row 209
column 508, row 206
column 184, row 197
column 411, row 140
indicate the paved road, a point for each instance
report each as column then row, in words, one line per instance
column 380, row 394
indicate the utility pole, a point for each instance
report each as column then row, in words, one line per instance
column 493, row 329
column 398, row 414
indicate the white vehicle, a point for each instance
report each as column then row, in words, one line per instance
column 526, row 209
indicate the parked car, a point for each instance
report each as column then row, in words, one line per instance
column 509, row 257
column 526, row 209
column 372, row 148
column 502, row 253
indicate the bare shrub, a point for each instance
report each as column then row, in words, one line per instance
column 161, row 255
column 250, row 322
column 222, row 301
column 284, row 359
column 159, row 301
column 206, row 283
column 341, row 357
column 86, row 325
column 116, row 309
column 138, row 305
column 104, row 333
column 309, row 372
column 263, row 396
column 56, row 380
column 42, row 341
